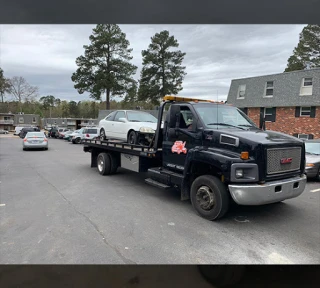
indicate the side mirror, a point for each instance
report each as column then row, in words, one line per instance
column 123, row 120
column 174, row 117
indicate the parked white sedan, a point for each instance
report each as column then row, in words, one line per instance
column 135, row 127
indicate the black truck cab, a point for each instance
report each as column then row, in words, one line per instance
column 213, row 153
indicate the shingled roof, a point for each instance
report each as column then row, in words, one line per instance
column 286, row 90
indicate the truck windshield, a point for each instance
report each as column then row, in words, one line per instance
column 223, row 116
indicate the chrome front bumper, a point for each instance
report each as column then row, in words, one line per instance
column 269, row 192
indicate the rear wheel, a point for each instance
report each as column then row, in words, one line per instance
column 78, row 140
column 104, row 163
column 209, row 197
column 102, row 135
column 132, row 137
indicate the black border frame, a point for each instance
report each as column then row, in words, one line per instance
column 160, row 12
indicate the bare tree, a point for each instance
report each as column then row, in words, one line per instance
column 21, row 90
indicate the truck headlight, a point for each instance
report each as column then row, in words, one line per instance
column 239, row 173
column 146, row 130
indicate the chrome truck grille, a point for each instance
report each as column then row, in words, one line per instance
column 281, row 160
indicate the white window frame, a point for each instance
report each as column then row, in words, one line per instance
column 299, row 136
column 267, row 88
column 21, row 120
column 306, row 90
column 304, row 81
column 305, row 111
column 239, row 90
column 265, row 109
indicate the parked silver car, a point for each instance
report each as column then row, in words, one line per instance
column 3, row 131
column 35, row 140
column 313, row 158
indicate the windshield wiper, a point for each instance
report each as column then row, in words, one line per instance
column 150, row 121
column 225, row 124
column 134, row 121
column 247, row 125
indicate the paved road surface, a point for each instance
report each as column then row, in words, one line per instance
column 54, row 208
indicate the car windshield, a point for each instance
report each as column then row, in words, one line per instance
column 223, row 116
column 141, row 117
column 35, row 134
column 313, row 148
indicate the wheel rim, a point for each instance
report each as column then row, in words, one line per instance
column 205, row 198
column 102, row 135
column 100, row 164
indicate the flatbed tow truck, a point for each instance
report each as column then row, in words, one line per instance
column 213, row 154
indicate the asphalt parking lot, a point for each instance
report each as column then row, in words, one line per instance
column 55, row 209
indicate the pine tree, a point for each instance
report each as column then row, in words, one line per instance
column 4, row 85
column 105, row 66
column 162, row 73
column 307, row 53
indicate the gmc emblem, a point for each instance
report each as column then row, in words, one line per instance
column 286, row 160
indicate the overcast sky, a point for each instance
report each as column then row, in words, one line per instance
column 215, row 54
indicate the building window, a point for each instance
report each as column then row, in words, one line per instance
column 307, row 82
column 62, row 121
column 269, row 89
column 21, row 120
column 268, row 112
column 6, row 118
column 306, row 87
column 241, row 91
column 305, row 111
column 303, row 136
column 34, row 119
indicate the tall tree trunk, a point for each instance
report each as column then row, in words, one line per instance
column 108, row 99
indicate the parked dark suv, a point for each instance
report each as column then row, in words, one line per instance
column 25, row 130
column 53, row 133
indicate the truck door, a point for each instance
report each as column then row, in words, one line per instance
column 176, row 144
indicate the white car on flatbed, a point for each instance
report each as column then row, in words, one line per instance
column 134, row 127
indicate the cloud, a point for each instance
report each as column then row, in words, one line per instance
column 215, row 54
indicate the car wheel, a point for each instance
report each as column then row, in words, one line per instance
column 104, row 163
column 78, row 140
column 209, row 197
column 102, row 135
column 132, row 137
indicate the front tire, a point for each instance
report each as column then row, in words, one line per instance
column 133, row 137
column 209, row 197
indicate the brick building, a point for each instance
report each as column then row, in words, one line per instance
column 290, row 102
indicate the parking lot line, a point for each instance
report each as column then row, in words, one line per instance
column 1, row 205
column 315, row 190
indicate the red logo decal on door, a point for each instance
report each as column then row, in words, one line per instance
column 178, row 147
